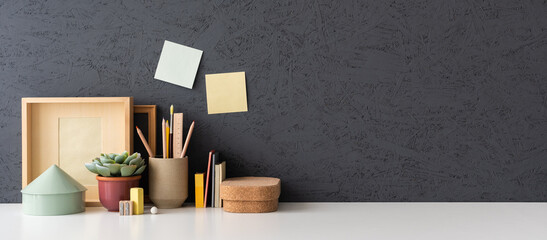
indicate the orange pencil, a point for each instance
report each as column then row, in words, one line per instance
column 144, row 142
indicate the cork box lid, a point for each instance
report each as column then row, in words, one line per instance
column 250, row 189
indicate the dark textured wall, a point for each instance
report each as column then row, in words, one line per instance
column 348, row 100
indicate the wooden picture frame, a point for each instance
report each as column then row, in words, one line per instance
column 150, row 110
column 44, row 134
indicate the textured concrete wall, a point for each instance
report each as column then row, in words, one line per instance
column 348, row 100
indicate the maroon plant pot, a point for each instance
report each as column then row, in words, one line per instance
column 114, row 189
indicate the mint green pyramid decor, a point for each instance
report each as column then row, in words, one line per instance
column 54, row 192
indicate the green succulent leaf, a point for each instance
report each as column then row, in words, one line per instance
column 141, row 163
column 120, row 159
column 105, row 161
column 114, row 168
column 128, row 170
column 112, row 156
column 91, row 167
column 125, row 153
column 97, row 162
column 133, row 156
column 140, row 170
column 136, row 161
column 103, row 171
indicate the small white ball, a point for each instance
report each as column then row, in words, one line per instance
column 154, row 210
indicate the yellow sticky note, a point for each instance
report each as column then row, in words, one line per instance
column 226, row 92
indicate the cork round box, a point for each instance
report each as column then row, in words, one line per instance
column 250, row 194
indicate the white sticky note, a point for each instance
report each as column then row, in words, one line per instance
column 226, row 92
column 178, row 64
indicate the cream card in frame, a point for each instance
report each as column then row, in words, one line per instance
column 79, row 138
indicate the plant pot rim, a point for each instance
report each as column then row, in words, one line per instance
column 118, row 179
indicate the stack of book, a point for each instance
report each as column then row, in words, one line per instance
column 216, row 173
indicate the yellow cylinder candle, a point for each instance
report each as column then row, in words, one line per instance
column 137, row 197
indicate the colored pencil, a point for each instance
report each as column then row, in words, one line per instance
column 144, row 142
column 167, row 138
column 163, row 137
column 187, row 139
column 207, row 181
column 171, row 132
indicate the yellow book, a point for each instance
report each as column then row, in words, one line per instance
column 137, row 197
column 199, row 179
column 217, row 185
column 222, row 176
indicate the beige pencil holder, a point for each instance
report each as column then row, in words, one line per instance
column 168, row 181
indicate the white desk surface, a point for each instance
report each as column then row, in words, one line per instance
column 292, row 221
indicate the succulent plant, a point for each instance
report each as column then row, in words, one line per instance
column 117, row 165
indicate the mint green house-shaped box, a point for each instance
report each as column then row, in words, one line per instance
column 54, row 192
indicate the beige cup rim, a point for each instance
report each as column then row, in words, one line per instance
column 167, row 159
